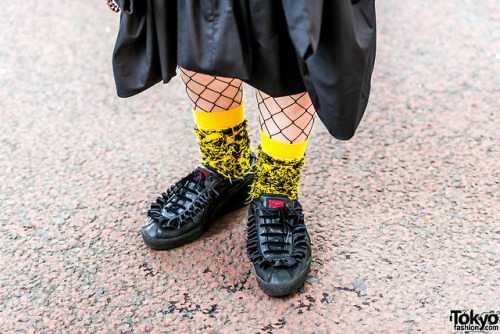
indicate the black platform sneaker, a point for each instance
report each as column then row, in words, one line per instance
column 278, row 244
column 186, row 210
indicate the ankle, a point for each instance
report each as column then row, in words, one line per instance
column 226, row 150
column 276, row 176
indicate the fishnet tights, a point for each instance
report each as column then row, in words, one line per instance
column 287, row 119
column 211, row 93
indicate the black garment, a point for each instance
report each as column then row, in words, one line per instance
column 280, row 47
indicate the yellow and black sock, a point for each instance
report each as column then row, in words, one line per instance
column 224, row 142
column 278, row 168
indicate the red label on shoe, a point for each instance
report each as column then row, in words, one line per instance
column 204, row 173
column 276, row 203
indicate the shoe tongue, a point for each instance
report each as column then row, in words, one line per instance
column 206, row 170
column 203, row 171
column 274, row 201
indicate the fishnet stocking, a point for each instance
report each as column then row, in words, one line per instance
column 287, row 119
column 211, row 93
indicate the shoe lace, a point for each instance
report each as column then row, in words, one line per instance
column 281, row 219
column 192, row 183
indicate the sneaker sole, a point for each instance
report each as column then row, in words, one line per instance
column 236, row 201
column 284, row 289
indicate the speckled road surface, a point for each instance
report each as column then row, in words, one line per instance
column 404, row 217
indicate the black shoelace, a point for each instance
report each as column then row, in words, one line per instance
column 281, row 238
column 193, row 183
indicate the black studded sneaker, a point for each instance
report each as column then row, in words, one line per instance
column 278, row 244
column 186, row 210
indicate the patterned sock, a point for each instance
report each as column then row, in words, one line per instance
column 224, row 142
column 278, row 168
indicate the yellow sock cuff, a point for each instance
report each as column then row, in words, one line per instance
column 219, row 119
column 281, row 150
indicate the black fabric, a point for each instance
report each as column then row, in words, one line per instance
column 145, row 48
column 280, row 47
